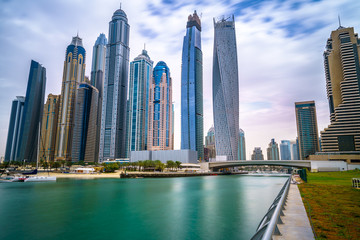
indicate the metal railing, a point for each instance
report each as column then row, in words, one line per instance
column 356, row 182
column 268, row 225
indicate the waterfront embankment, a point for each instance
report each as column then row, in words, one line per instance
column 122, row 174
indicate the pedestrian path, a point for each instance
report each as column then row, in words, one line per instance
column 296, row 223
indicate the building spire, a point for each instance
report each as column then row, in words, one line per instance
column 120, row 5
column 339, row 21
column 144, row 46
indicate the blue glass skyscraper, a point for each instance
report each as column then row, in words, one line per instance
column 242, row 148
column 32, row 115
column 192, row 133
column 226, row 90
column 285, row 150
column 113, row 119
column 97, row 80
column 307, row 129
column 140, row 75
column 13, row 138
column 85, row 119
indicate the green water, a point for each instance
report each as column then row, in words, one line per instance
column 213, row 207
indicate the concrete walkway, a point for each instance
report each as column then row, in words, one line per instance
column 296, row 223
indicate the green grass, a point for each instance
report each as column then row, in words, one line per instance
column 333, row 178
column 332, row 203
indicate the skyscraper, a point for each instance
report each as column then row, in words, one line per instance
column 226, row 89
column 273, row 150
column 97, row 80
column 85, row 120
column 295, row 150
column 113, row 118
column 210, row 143
column 342, row 71
column 73, row 75
column 32, row 115
column 307, row 129
column 49, row 128
column 285, row 150
column 140, row 75
column 257, row 154
column 242, row 148
column 13, row 138
column 192, row 133
column 160, row 109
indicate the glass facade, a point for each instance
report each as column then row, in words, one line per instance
column 342, row 72
column 84, row 136
column 73, row 75
column 113, row 119
column 32, row 115
column 273, row 150
column 307, row 128
column 242, row 148
column 97, row 80
column 192, row 133
column 160, row 130
column 285, row 150
column 13, row 138
column 226, row 90
column 140, row 74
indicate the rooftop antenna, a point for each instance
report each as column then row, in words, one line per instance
column 339, row 20
column 120, row 5
column 77, row 33
column 144, row 46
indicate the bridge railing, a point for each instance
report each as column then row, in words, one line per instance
column 268, row 225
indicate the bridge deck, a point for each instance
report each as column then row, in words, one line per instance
column 296, row 223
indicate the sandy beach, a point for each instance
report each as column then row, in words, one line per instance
column 81, row 175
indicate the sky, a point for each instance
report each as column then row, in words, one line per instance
column 280, row 45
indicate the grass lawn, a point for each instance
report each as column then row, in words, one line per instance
column 333, row 204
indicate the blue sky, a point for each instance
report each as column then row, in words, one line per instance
column 279, row 43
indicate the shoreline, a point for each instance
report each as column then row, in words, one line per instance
column 121, row 174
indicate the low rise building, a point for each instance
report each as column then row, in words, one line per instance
column 184, row 156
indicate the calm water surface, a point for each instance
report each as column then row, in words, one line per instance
column 213, row 207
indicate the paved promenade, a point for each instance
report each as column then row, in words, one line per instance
column 296, row 223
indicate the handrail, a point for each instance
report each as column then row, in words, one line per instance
column 268, row 224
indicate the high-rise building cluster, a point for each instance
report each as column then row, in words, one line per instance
column 100, row 118
column 127, row 106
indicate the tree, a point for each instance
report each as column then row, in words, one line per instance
column 178, row 164
column 56, row 165
column 69, row 163
column 170, row 164
column 159, row 165
column 110, row 167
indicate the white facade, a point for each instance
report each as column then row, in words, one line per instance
column 184, row 156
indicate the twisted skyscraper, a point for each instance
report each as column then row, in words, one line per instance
column 113, row 119
column 226, row 89
column 192, row 133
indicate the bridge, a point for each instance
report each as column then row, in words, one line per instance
column 229, row 164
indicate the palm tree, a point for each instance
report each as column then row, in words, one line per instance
column 178, row 164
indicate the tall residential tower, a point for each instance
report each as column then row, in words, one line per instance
column 192, row 133
column 307, row 129
column 49, row 128
column 342, row 71
column 32, row 115
column 73, row 75
column 113, row 118
column 97, row 80
column 226, row 89
column 141, row 70
column 13, row 138
column 160, row 135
